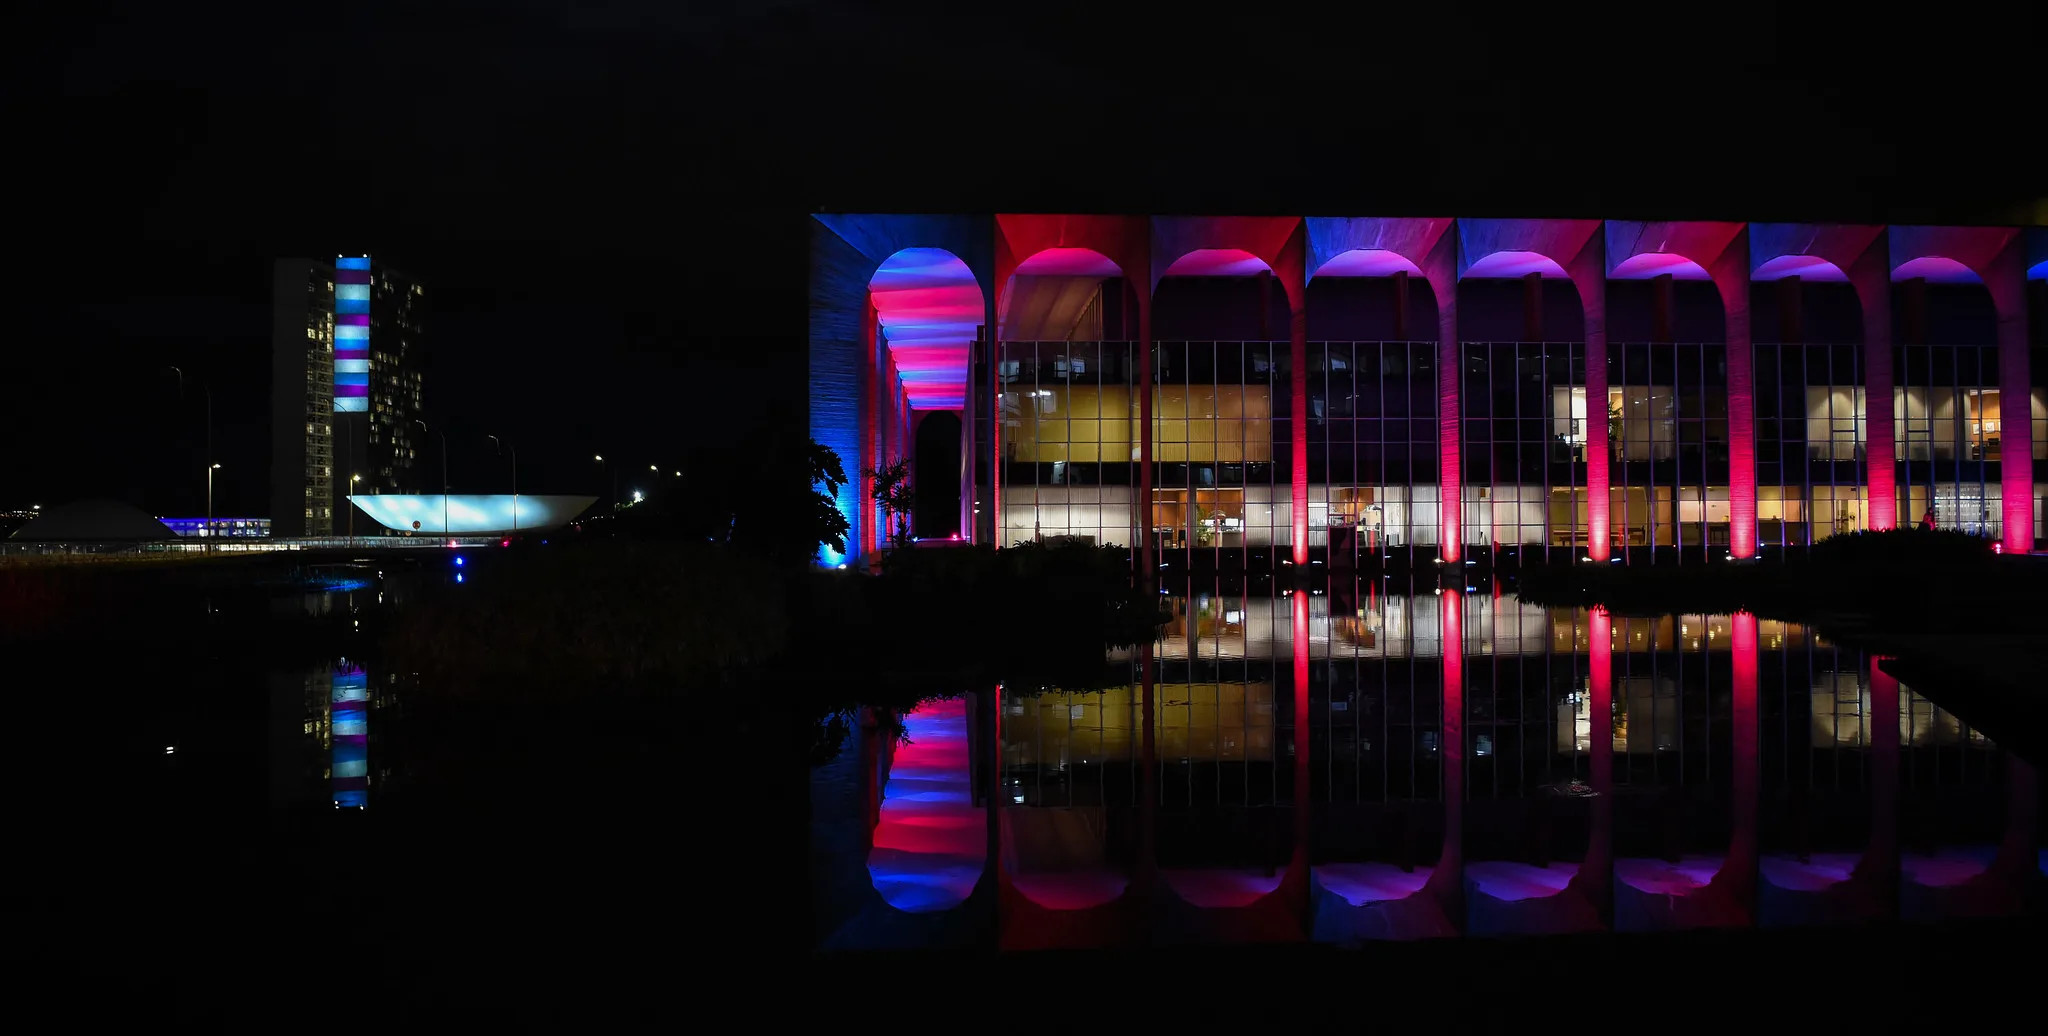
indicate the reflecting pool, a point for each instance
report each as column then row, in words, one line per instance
column 1348, row 762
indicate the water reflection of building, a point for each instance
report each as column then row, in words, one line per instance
column 1843, row 716
column 348, row 730
column 1223, row 686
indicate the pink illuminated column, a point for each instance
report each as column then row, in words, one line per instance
column 2016, row 423
column 1450, row 484
column 1598, row 498
column 1880, row 452
column 1297, row 351
column 1733, row 281
column 1741, row 864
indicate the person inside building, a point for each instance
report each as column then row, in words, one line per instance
column 1927, row 520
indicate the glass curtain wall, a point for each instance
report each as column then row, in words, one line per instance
column 1372, row 447
column 1949, row 436
column 1811, row 429
column 1667, row 417
column 1220, row 419
column 1068, row 455
column 1524, row 421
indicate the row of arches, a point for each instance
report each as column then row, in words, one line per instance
column 1069, row 279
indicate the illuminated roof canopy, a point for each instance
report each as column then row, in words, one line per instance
column 470, row 514
column 929, row 305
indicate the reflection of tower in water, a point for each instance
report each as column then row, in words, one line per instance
column 349, row 722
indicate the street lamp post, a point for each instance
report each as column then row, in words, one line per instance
column 352, row 480
column 210, row 469
column 514, row 451
column 613, row 469
column 444, row 475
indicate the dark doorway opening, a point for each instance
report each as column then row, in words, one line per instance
column 937, row 513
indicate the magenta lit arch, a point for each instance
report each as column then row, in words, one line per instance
column 928, row 305
column 1049, row 290
column 1804, row 267
column 1647, row 266
column 1936, row 270
column 1068, row 262
column 1367, row 262
column 1217, row 262
column 1514, row 265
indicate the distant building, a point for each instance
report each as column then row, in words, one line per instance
column 234, row 528
column 346, row 362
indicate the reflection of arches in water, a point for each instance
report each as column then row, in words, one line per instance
column 931, row 841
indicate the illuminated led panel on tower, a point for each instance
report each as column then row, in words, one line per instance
column 351, row 334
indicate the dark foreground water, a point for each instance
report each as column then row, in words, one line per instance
column 273, row 811
column 1347, row 765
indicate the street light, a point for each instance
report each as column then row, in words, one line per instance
column 210, row 469
column 444, row 474
column 353, row 479
column 613, row 501
column 514, row 450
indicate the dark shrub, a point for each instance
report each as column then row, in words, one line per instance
column 1902, row 547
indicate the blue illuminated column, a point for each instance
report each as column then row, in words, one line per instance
column 351, row 334
column 348, row 724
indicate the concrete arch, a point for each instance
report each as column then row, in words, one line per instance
column 1281, row 243
column 928, row 306
column 1718, row 252
column 848, row 368
column 1858, row 255
column 1431, row 245
column 1040, row 298
column 1573, row 249
column 1997, row 256
column 1126, row 242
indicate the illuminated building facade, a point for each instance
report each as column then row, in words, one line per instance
column 1256, row 391
column 346, row 373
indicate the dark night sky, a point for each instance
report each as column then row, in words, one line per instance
column 607, row 204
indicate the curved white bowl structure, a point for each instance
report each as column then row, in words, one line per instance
column 470, row 514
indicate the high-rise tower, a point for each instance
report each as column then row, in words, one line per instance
column 346, row 379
